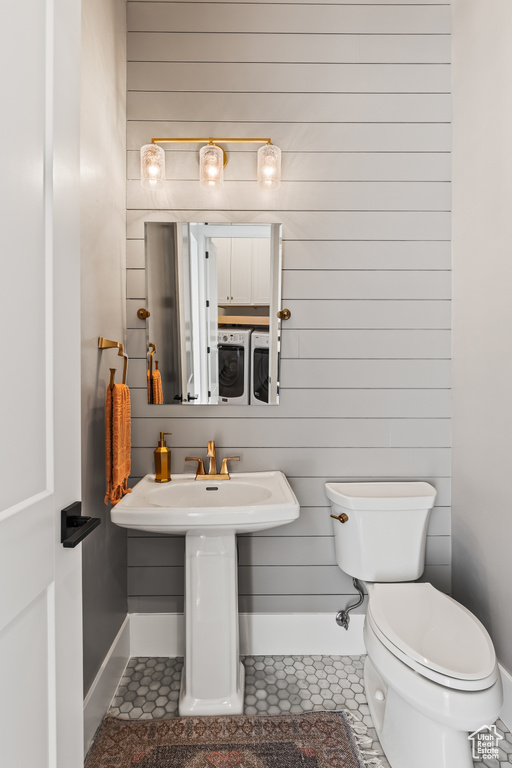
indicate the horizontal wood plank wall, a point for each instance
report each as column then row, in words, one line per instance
column 357, row 95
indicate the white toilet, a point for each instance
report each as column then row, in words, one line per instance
column 431, row 673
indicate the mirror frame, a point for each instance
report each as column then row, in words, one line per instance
column 181, row 231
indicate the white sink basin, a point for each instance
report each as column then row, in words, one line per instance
column 249, row 501
column 210, row 514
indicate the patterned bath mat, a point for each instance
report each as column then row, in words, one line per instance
column 311, row 740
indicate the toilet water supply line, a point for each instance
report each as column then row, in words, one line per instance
column 342, row 617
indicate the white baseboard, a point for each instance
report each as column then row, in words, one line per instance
column 157, row 634
column 101, row 692
column 296, row 634
column 300, row 634
column 506, row 712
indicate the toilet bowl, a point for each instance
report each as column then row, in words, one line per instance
column 431, row 673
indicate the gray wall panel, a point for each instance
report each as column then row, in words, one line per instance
column 152, row 552
column 155, row 604
column 349, row 285
column 357, row 97
column 342, row 2
column 103, row 223
column 250, row 604
column 155, row 580
column 136, row 284
column 304, row 433
column 252, row 551
column 301, row 462
column 308, row 134
column 335, row 401
column 321, row 49
column 340, row 18
column 365, row 255
column 327, row 166
column 367, row 374
column 440, row 576
column 368, row 107
column 384, row 344
column 313, row 195
column 303, row 225
column 367, row 313
column 289, row 77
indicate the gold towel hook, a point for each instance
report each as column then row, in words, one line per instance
column 112, row 378
column 109, row 344
column 153, row 350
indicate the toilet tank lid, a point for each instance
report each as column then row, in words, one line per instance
column 382, row 496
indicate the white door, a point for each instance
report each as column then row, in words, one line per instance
column 212, row 320
column 40, row 582
column 183, row 239
column 193, row 301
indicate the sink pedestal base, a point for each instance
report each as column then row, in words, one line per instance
column 213, row 676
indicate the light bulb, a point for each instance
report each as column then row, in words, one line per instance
column 269, row 167
column 152, row 166
column 211, row 166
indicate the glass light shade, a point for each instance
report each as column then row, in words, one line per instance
column 269, row 167
column 211, row 166
column 152, row 166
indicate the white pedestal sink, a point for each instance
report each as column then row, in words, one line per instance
column 210, row 514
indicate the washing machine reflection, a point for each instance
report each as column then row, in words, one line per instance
column 260, row 345
column 234, row 349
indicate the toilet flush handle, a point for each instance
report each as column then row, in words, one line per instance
column 342, row 518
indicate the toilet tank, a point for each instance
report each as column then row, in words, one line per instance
column 384, row 537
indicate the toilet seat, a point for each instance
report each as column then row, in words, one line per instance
column 433, row 634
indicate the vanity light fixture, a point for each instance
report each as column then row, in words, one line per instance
column 152, row 166
column 269, row 167
column 211, row 166
column 212, row 161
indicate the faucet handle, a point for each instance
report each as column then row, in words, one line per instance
column 224, row 468
column 200, row 465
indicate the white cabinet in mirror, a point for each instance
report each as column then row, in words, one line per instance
column 243, row 272
column 213, row 293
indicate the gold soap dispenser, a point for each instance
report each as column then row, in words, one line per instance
column 162, row 460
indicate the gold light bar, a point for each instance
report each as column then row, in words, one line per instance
column 212, row 161
column 211, row 140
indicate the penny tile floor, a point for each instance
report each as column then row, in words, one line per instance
column 274, row 685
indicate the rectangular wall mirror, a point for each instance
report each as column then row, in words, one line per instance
column 213, row 293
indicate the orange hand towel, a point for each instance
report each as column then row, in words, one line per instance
column 117, row 442
column 158, row 395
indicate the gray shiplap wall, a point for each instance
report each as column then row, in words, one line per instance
column 357, row 97
column 102, row 147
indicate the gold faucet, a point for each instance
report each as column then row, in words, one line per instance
column 213, row 459
column 212, row 472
